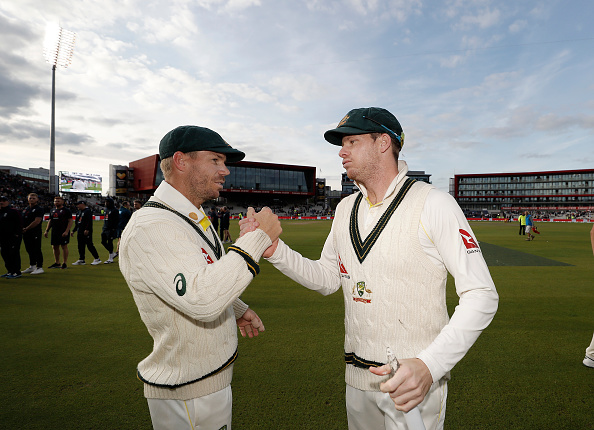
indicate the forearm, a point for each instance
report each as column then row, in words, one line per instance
column 34, row 224
column 239, row 308
column 179, row 274
column 321, row 275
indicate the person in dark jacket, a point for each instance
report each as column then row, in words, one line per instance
column 213, row 214
column 225, row 220
column 60, row 223
column 110, row 228
column 125, row 215
column 11, row 233
column 84, row 226
column 32, row 219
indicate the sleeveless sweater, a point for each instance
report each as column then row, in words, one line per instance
column 395, row 297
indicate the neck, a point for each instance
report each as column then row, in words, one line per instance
column 376, row 190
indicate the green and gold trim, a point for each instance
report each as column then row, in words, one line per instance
column 363, row 247
column 355, row 360
column 226, row 364
column 215, row 245
column 253, row 267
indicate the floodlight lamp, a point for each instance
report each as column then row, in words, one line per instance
column 58, row 45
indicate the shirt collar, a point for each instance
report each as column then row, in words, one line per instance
column 402, row 171
column 176, row 200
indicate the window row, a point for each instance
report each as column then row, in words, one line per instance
column 253, row 178
column 570, row 177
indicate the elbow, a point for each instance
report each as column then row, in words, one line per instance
column 208, row 314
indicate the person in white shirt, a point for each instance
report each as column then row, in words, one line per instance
column 186, row 288
column 589, row 358
column 390, row 248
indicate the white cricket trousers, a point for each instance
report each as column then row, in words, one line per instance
column 212, row 412
column 374, row 410
column 590, row 349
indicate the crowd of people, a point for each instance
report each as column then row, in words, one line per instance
column 22, row 224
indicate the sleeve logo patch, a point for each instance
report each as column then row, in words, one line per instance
column 469, row 242
column 207, row 257
column 180, row 284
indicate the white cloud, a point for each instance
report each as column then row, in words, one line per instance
column 518, row 26
column 483, row 19
column 238, row 5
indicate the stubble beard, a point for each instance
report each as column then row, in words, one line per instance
column 199, row 187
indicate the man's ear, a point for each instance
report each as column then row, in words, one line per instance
column 385, row 142
column 179, row 160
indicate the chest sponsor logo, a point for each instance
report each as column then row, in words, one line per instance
column 207, row 257
column 469, row 242
column 343, row 271
column 361, row 293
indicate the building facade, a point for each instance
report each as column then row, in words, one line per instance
column 36, row 177
column 558, row 191
column 248, row 182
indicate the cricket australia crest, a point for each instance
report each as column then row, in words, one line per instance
column 361, row 293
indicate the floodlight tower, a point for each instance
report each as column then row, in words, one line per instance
column 57, row 50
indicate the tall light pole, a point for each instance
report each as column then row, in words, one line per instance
column 57, row 50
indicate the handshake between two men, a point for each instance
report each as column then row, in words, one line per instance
column 265, row 220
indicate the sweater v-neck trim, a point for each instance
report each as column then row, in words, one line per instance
column 363, row 247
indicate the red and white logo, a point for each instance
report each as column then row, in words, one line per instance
column 341, row 266
column 469, row 241
column 343, row 271
column 207, row 257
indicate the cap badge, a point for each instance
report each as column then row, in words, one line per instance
column 342, row 121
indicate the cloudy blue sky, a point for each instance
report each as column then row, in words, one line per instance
column 478, row 85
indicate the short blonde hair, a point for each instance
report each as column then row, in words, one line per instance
column 167, row 167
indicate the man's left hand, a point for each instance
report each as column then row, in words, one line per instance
column 250, row 324
column 409, row 386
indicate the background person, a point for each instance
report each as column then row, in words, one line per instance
column 137, row 205
column 390, row 248
column 124, row 217
column 32, row 219
column 84, row 238
column 185, row 286
column 225, row 223
column 11, row 231
column 522, row 221
column 529, row 224
column 110, row 228
column 213, row 214
column 589, row 358
column 60, row 223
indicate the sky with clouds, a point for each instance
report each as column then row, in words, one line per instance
column 478, row 85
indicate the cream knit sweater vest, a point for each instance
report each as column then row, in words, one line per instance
column 395, row 297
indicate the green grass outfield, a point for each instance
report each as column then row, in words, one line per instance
column 71, row 339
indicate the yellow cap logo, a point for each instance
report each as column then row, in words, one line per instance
column 342, row 121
